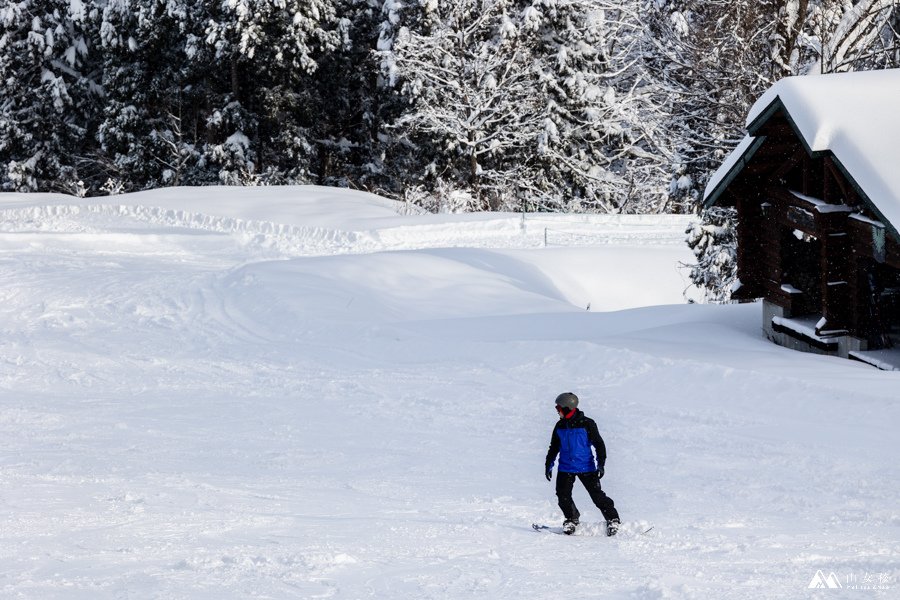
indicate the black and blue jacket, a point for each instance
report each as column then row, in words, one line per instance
column 572, row 440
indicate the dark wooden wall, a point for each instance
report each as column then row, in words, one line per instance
column 785, row 192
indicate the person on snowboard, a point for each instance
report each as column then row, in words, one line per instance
column 572, row 439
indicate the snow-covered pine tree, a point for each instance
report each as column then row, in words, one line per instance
column 544, row 104
column 713, row 241
column 604, row 146
column 152, row 131
column 47, row 95
column 265, row 53
column 347, row 102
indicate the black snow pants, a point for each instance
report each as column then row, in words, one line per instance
column 564, row 484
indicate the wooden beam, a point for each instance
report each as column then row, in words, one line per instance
column 777, row 128
column 807, row 175
column 786, row 166
column 849, row 195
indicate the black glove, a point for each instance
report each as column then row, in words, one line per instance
column 600, row 472
column 548, row 473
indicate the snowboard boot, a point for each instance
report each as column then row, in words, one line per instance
column 569, row 526
column 612, row 527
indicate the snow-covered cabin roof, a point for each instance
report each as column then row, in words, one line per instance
column 854, row 116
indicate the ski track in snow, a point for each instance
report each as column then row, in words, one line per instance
column 198, row 406
column 290, row 240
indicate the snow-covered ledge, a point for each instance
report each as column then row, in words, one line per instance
column 799, row 333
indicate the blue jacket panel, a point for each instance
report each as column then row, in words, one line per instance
column 575, row 454
column 572, row 440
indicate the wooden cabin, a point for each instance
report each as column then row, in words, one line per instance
column 816, row 185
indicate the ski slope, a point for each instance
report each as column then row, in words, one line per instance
column 316, row 393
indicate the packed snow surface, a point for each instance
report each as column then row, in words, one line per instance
column 313, row 393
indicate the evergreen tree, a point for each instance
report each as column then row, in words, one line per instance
column 598, row 105
column 714, row 245
column 151, row 134
column 262, row 110
column 605, row 146
column 348, row 103
column 48, row 94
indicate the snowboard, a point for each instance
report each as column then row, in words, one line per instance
column 626, row 529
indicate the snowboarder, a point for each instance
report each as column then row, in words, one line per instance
column 572, row 439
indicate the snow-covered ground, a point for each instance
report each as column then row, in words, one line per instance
column 313, row 393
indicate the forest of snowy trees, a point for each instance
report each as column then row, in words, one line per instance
column 577, row 105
